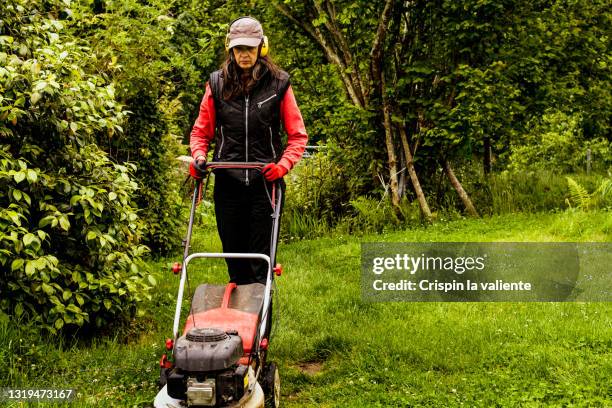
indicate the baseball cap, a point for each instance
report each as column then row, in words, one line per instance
column 245, row 31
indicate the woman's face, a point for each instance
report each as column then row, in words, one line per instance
column 246, row 57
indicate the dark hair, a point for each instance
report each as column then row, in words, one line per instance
column 235, row 83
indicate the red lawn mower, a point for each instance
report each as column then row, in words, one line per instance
column 219, row 360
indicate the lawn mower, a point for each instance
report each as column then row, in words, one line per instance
column 219, row 359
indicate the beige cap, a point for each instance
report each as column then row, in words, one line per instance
column 245, row 31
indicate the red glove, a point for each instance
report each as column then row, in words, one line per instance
column 273, row 171
column 197, row 168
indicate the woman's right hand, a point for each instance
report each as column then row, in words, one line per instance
column 197, row 169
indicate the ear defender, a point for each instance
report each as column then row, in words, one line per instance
column 227, row 41
column 264, row 48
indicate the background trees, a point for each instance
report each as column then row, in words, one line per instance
column 426, row 107
column 464, row 80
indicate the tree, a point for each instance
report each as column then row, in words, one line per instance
column 342, row 33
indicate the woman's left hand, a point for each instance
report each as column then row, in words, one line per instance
column 273, row 171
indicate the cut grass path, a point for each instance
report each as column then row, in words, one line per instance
column 335, row 350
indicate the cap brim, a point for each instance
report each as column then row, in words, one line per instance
column 249, row 42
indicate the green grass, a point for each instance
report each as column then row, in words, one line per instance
column 335, row 350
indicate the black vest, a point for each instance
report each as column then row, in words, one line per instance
column 248, row 127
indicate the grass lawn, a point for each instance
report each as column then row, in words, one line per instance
column 334, row 350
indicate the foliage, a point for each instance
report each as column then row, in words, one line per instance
column 511, row 192
column 69, row 235
column 159, row 54
column 464, row 78
column 488, row 68
column 584, row 200
column 370, row 216
column 123, row 38
column 556, row 141
column 317, row 191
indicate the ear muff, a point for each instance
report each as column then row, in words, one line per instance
column 264, row 48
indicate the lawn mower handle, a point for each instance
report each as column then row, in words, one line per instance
column 187, row 257
column 234, row 165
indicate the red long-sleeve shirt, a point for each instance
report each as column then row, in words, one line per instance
column 203, row 130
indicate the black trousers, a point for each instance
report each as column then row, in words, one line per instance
column 244, row 223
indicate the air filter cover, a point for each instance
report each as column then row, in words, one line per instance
column 207, row 349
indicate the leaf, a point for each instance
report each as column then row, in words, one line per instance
column 74, row 199
column 73, row 308
column 40, row 86
column 112, row 196
column 17, row 264
column 107, row 304
column 17, row 195
column 19, row 176
column 30, row 268
column 64, row 223
column 34, row 98
column 79, row 299
column 152, row 280
column 18, row 309
column 48, row 289
column 28, row 239
column 46, row 221
column 66, row 294
column 59, row 323
column 91, row 235
column 32, row 176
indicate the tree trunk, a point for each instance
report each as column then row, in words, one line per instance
column 391, row 157
column 462, row 193
column 413, row 176
column 486, row 160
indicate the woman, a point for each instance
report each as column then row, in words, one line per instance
column 244, row 105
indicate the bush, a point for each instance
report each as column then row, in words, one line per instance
column 69, row 235
column 317, row 194
column 557, row 142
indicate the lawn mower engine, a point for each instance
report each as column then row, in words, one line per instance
column 206, row 370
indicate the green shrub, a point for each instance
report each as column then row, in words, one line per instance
column 556, row 143
column 317, row 194
column 371, row 215
column 69, row 235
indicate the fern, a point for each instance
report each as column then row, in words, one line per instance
column 585, row 200
column 578, row 194
column 604, row 191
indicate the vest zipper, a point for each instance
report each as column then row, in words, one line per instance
column 246, row 139
column 264, row 101
column 221, row 147
column 272, row 144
